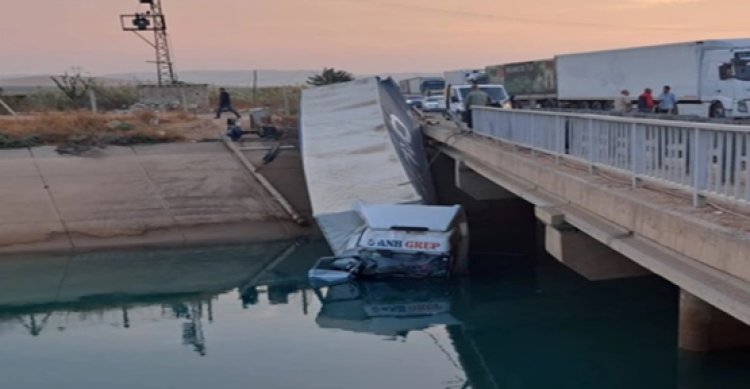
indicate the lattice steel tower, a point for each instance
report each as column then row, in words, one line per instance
column 153, row 20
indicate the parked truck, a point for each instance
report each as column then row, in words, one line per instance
column 710, row 78
column 531, row 83
column 455, row 96
column 458, row 85
column 425, row 86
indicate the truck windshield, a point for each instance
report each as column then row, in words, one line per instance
column 496, row 93
column 742, row 70
column 434, row 85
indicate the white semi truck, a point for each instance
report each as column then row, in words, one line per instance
column 710, row 78
column 425, row 86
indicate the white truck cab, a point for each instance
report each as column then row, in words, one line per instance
column 726, row 82
column 456, row 94
column 401, row 240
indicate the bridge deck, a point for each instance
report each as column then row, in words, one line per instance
column 705, row 251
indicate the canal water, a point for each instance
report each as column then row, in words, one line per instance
column 245, row 316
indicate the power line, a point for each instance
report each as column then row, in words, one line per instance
column 526, row 20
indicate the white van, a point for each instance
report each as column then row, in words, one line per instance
column 455, row 95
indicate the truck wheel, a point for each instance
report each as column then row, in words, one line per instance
column 717, row 111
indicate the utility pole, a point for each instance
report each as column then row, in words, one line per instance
column 155, row 21
column 164, row 66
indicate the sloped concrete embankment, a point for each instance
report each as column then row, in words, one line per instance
column 132, row 196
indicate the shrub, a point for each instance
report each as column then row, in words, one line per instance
column 107, row 99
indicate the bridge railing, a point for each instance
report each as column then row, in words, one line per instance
column 705, row 159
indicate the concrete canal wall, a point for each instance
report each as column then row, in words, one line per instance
column 168, row 194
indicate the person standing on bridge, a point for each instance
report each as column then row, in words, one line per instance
column 476, row 97
column 622, row 102
column 225, row 104
column 646, row 101
column 667, row 101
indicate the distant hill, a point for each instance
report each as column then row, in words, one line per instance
column 266, row 78
column 46, row 81
column 28, row 84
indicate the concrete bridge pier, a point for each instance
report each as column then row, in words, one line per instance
column 582, row 253
column 705, row 328
column 702, row 327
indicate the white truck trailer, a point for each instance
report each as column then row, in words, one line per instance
column 709, row 78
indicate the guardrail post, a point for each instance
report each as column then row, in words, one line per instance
column 533, row 135
column 560, row 141
column 512, row 130
column 637, row 153
column 591, row 146
column 699, row 167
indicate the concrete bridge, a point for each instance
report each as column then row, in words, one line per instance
column 623, row 197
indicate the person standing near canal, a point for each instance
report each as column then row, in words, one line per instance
column 225, row 104
column 667, row 101
column 476, row 97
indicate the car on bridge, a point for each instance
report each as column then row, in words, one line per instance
column 414, row 101
column 433, row 104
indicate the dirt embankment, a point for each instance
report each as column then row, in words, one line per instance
column 89, row 129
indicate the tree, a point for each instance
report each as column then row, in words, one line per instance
column 74, row 85
column 330, row 76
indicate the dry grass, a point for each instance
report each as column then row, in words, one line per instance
column 58, row 128
column 51, row 119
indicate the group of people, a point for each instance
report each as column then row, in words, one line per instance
column 666, row 102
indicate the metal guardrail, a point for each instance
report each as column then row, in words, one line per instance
column 705, row 159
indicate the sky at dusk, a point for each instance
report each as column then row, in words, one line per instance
column 362, row 36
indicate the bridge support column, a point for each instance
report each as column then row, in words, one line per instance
column 478, row 187
column 540, row 236
column 705, row 328
column 582, row 253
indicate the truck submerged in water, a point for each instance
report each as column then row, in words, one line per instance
column 370, row 186
column 710, row 78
